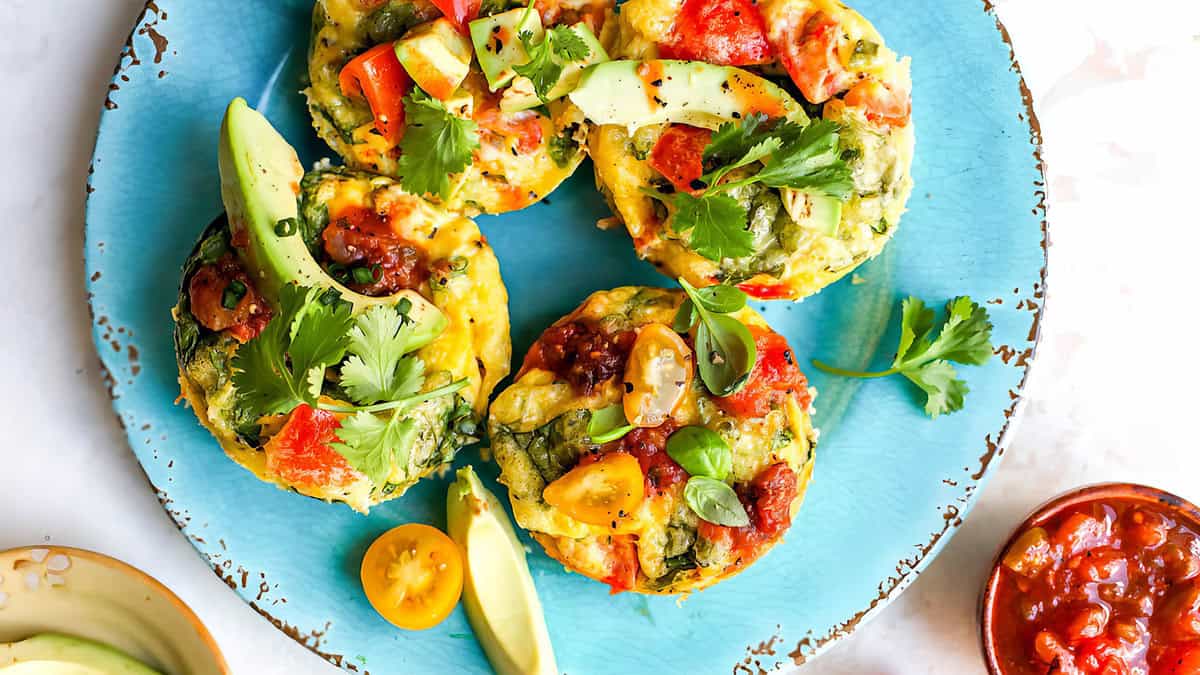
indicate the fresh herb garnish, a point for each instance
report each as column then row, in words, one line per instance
column 380, row 367
column 436, row 144
column 287, row 227
column 559, row 45
column 715, row 501
column 608, row 424
column 234, row 292
column 701, row 452
column 373, row 444
column 725, row 349
column 285, row 365
column 800, row 157
column 965, row 337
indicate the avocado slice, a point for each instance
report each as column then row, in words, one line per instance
column 497, row 45
column 54, row 654
column 520, row 95
column 817, row 212
column 635, row 94
column 498, row 593
column 436, row 56
column 260, row 185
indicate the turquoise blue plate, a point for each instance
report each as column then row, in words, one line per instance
column 891, row 485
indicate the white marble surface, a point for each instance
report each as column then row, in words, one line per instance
column 1111, row 397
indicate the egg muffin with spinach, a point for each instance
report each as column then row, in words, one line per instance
column 657, row 441
column 462, row 102
column 338, row 335
column 764, row 144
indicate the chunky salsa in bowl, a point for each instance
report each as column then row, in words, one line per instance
column 1104, row 580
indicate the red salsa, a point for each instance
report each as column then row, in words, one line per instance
column 581, row 354
column 1105, row 587
column 768, row 501
column 223, row 298
column 369, row 256
column 775, row 377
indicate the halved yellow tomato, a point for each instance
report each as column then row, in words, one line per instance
column 599, row 493
column 413, row 576
column 657, row 375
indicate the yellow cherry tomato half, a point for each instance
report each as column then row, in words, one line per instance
column 601, row 492
column 413, row 576
column 657, row 375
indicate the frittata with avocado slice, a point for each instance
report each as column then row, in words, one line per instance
column 711, row 79
column 339, row 336
column 627, row 468
column 436, row 101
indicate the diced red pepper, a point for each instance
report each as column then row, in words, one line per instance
column 461, row 12
column 679, row 156
column 723, row 32
column 377, row 76
column 300, row 453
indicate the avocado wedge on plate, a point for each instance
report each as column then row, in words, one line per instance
column 336, row 334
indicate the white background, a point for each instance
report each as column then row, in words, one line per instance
column 1112, row 395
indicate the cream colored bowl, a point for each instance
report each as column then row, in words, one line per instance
column 89, row 595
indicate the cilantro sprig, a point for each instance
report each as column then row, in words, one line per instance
column 965, row 337
column 559, row 45
column 800, row 157
column 286, row 366
column 436, row 144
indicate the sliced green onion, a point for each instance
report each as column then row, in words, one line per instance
column 287, row 227
column 233, row 294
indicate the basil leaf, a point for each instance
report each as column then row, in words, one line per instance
column 608, row 424
column 725, row 352
column 685, row 318
column 721, row 299
column 701, row 452
column 715, row 502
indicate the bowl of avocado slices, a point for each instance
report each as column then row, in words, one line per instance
column 67, row 611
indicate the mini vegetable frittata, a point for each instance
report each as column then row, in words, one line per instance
column 343, row 401
column 430, row 92
column 714, row 79
column 623, row 463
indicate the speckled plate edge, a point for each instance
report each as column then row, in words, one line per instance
column 906, row 570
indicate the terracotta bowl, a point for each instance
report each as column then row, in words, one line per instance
column 1181, row 508
column 89, row 595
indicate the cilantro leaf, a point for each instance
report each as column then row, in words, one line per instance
column 800, row 157
column 373, row 444
column 541, row 69
column 732, row 140
column 379, row 368
column 808, row 159
column 284, row 366
column 319, row 336
column 944, row 392
column 965, row 337
column 567, row 44
column 559, row 45
column 436, row 144
column 717, row 223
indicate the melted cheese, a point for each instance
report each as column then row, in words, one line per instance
column 502, row 177
column 812, row 259
column 537, row 398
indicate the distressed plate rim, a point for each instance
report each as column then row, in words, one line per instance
column 808, row 647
